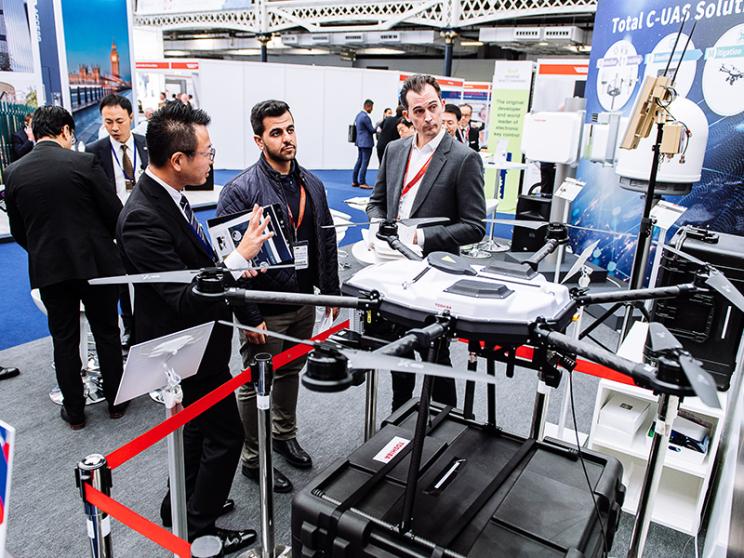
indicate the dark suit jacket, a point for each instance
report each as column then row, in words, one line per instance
column 153, row 235
column 21, row 144
column 473, row 139
column 452, row 187
column 62, row 210
column 388, row 133
column 102, row 149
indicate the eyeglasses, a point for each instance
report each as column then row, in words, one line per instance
column 210, row 153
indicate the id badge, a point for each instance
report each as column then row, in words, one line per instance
column 301, row 254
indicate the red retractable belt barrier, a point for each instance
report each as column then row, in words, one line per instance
column 135, row 521
column 160, row 431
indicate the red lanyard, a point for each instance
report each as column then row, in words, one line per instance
column 303, row 201
column 419, row 175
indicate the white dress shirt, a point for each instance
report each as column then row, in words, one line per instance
column 117, row 161
column 417, row 159
column 234, row 260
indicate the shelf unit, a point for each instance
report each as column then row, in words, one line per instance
column 685, row 478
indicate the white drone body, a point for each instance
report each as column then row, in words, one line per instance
column 486, row 303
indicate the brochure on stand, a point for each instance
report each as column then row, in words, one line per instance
column 227, row 231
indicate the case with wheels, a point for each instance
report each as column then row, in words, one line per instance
column 481, row 492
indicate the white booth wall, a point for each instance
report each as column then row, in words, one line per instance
column 323, row 101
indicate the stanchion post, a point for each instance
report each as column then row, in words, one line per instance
column 262, row 373
column 370, row 397
column 93, row 470
column 173, row 398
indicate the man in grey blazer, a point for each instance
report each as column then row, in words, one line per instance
column 430, row 175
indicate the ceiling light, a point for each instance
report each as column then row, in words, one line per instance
column 176, row 53
column 471, row 43
column 244, row 52
column 542, row 43
column 379, row 51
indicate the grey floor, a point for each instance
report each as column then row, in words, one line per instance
column 46, row 513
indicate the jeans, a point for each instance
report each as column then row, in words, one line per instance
column 359, row 174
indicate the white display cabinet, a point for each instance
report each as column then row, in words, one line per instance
column 686, row 475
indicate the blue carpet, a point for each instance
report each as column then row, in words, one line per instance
column 21, row 321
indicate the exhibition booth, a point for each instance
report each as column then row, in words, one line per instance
column 593, row 333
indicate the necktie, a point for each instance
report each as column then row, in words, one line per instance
column 126, row 166
column 195, row 225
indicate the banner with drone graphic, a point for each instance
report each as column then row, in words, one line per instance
column 633, row 40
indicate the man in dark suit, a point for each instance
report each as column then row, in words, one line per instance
column 430, row 175
column 388, row 131
column 157, row 231
column 63, row 212
column 470, row 129
column 23, row 139
column 365, row 142
column 123, row 156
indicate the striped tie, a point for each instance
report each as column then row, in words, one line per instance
column 196, row 226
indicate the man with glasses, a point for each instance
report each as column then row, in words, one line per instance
column 470, row 129
column 62, row 211
column 158, row 231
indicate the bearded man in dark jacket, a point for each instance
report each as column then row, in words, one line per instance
column 303, row 212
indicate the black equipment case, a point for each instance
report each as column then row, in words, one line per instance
column 706, row 324
column 481, row 492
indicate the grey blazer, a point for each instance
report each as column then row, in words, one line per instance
column 452, row 187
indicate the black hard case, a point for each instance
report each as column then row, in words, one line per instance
column 706, row 324
column 542, row 508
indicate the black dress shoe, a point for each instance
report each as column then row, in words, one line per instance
column 281, row 483
column 232, row 541
column 117, row 411
column 167, row 518
column 8, row 372
column 76, row 422
column 293, row 453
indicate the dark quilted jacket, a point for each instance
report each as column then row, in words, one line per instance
column 259, row 184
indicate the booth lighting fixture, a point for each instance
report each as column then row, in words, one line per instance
column 380, row 51
column 244, row 52
column 471, row 43
column 543, row 43
column 176, row 53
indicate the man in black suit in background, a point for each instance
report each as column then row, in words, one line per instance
column 123, row 156
column 157, row 231
column 469, row 128
column 23, row 139
column 63, row 212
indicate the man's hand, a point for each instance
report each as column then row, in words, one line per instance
column 255, row 235
column 29, row 133
column 257, row 338
column 333, row 310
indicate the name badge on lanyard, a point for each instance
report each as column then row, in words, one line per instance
column 300, row 249
column 128, row 180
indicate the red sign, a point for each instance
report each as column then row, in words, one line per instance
column 184, row 65
column 151, row 65
column 563, row 69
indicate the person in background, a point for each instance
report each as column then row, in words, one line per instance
column 470, row 129
column 451, row 121
column 163, row 99
column 378, row 127
column 405, row 128
column 141, row 128
column 185, row 99
column 62, row 210
column 123, row 157
column 364, row 142
column 389, row 131
column 277, row 178
column 23, row 139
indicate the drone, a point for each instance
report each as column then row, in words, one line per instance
column 497, row 307
column 733, row 72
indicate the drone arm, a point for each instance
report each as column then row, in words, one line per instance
column 642, row 373
column 638, row 294
column 415, row 339
column 547, row 249
column 270, row 297
column 396, row 244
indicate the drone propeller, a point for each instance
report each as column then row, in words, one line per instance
column 702, row 383
column 411, row 222
column 535, row 225
column 369, row 360
column 581, row 260
column 715, row 280
column 179, row 276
